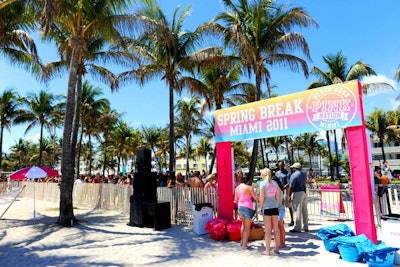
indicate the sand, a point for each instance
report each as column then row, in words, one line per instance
column 103, row 238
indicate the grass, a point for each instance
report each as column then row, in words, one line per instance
column 53, row 209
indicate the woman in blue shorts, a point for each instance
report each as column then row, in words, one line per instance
column 244, row 195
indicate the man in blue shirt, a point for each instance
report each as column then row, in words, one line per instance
column 297, row 190
column 284, row 176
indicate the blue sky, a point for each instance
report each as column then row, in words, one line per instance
column 364, row 30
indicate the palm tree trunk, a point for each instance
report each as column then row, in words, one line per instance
column 67, row 216
column 41, row 145
column 119, row 162
column 205, row 160
column 263, row 149
column 78, row 153
column 77, row 117
column 105, row 163
column 254, row 153
column 213, row 160
column 90, row 155
column 383, row 150
column 330, row 155
column 54, row 149
column 337, row 155
column 187, row 154
column 253, row 161
column 1, row 145
column 320, row 163
column 171, row 128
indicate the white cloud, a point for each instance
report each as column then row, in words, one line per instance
column 382, row 99
column 379, row 79
column 33, row 138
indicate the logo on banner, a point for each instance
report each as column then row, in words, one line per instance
column 331, row 107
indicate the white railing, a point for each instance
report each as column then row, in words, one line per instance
column 114, row 197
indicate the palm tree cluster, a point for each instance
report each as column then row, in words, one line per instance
column 384, row 125
column 144, row 44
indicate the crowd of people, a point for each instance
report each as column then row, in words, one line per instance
column 383, row 174
column 382, row 177
column 119, row 179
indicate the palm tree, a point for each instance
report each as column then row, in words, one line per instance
column 340, row 161
column 377, row 123
column 162, row 148
column 261, row 33
column 9, row 110
column 121, row 135
column 310, row 143
column 40, row 110
column 56, row 143
column 90, row 112
column 82, row 21
column 15, row 43
column 289, row 148
column 45, row 151
column 274, row 142
column 20, row 150
column 188, row 122
column 218, row 83
column 108, row 120
column 338, row 71
column 208, row 132
column 5, row 3
column 165, row 51
column 151, row 138
column 242, row 157
column 204, row 148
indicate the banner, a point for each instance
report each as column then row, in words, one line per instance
column 331, row 201
column 321, row 109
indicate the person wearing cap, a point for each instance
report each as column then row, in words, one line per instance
column 298, row 197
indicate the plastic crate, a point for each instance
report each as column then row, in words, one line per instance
column 380, row 259
column 331, row 246
column 349, row 253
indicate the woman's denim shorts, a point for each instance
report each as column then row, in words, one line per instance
column 246, row 213
column 281, row 215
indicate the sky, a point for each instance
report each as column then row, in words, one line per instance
column 364, row 30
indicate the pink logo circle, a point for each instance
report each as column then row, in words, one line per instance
column 331, row 107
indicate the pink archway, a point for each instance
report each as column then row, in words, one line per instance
column 325, row 108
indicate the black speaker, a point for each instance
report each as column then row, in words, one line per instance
column 157, row 215
column 136, row 212
column 145, row 186
column 143, row 161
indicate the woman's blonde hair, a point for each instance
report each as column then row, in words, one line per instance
column 266, row 174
